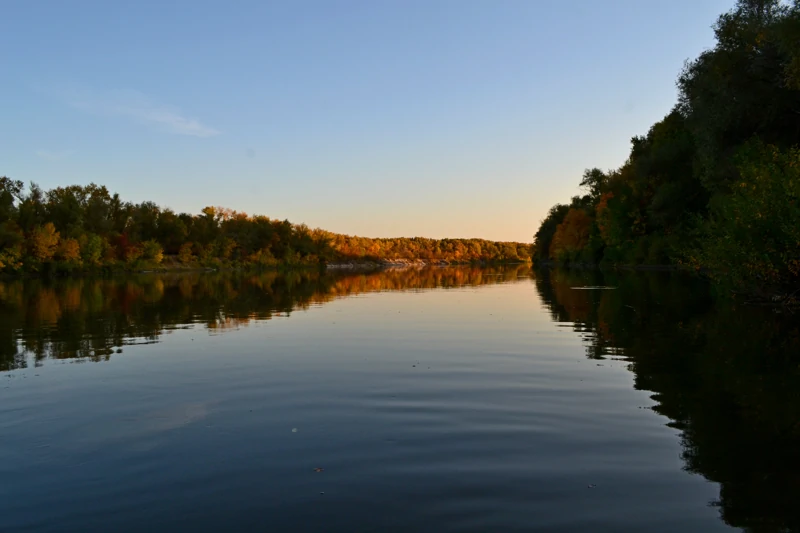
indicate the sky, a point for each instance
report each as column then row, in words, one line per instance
column 431, row 118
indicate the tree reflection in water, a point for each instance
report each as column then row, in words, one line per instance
column 726, row 375
column 92, row 319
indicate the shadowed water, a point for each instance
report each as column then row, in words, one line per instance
column 431, row 400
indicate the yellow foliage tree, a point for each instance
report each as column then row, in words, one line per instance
column 43, row 242
column 152, row 252
column 11, row 258
column 69, row 251
column 185, row 255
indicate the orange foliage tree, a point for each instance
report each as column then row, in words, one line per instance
column 572, row 235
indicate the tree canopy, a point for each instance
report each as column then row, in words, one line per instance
column 87, row 227
column 713, row 185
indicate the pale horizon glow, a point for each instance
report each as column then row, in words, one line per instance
column 437, row 119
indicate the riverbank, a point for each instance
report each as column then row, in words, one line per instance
column 172, row 264
column 394, row 263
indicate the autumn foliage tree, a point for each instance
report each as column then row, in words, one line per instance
column 86, row 227
column 42, row 243
column 572, row 235
column 69, row 253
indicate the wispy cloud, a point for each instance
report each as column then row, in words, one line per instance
column 137, row 107
column 51, row 155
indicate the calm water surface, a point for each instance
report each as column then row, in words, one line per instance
column 430, row 401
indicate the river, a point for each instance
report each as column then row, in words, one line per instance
column 433, row 400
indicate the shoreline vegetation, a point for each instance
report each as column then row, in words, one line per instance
column 714, row 187
column 87, row 230
column 173, row 265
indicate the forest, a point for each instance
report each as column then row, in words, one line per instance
column 715, row 185
column 87, row 229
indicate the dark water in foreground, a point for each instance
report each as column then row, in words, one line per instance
column 433, row 401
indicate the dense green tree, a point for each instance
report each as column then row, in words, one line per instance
column 171, row 231
column 31, row 211
column 753, row 234
column 741, row 87
column 10, row 195
column 685, row 194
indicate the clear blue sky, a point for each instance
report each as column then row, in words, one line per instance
column 433, row 118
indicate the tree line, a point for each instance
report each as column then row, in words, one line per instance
column 85, row 228
column 715, row 185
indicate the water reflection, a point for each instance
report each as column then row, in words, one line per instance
column 727, row 376
column 91, row 319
